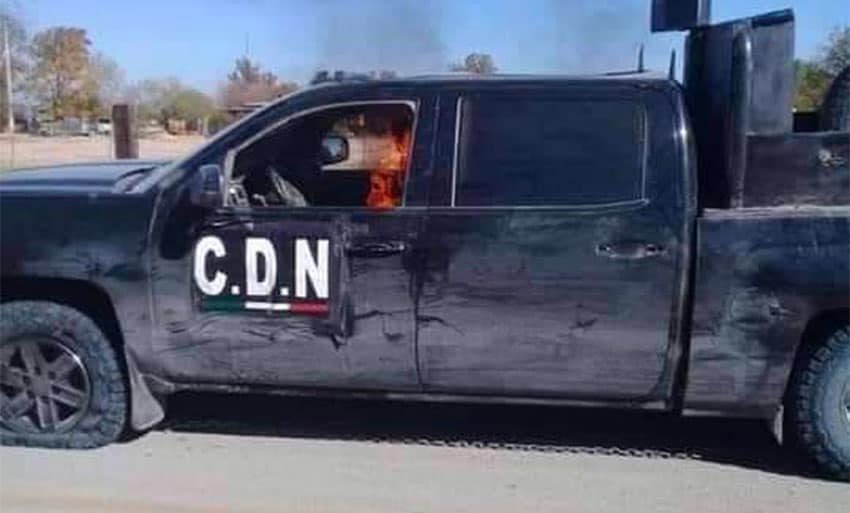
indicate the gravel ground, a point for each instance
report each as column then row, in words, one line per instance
column 269, row 454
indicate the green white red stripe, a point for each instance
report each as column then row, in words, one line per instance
column 234, row 305
column 311, row 308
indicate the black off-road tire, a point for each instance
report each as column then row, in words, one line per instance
column 835, row 111
column 102, row 420
column 818, row 399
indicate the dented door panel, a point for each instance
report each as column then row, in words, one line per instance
column 526, row 303
column 553, row 301
column 762, row 274
column 361, row 336
column 278, row 334
column 366, row 338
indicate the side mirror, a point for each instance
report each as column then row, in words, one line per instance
column 207, row 187
column 334, row 149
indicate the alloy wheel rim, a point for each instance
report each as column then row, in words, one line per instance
column 44, row 386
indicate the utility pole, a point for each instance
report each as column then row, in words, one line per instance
column 7, row 58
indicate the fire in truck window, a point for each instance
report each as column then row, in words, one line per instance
column 339, row 157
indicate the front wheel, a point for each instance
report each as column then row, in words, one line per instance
column 60, row 382
column 820, row 405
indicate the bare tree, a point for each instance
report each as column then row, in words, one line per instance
column 835, row 55
column 340, row 75
column 247, row 83
column 476, row 63
column 60, row 67
column 105, row 82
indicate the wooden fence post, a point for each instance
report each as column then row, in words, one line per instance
column 126, row 141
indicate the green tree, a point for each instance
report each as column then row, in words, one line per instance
column 167, row 99
column 815, row 76
column 59, row 74
column 812, row 83
column 187, row 103
column 476, row 63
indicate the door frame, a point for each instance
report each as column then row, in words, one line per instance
column 232, row 153
column 679, row 168
column 181, row 311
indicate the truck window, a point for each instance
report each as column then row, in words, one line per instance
column 351, row 156
column 515, row 151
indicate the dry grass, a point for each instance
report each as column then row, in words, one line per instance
column 28, row 150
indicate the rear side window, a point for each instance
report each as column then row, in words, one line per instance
column 530, row 151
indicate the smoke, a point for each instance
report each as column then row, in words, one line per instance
column 527, row 36
column 367, row 35
column 592, row 36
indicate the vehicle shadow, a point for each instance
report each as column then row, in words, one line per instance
column 738, row 442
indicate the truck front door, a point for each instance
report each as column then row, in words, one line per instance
column 305, row 277
column 556, row 254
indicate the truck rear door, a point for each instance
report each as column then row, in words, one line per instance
column 556, row 244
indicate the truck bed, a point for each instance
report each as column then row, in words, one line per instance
column 761, row 274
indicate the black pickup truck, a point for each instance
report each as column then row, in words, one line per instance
column 618, row 240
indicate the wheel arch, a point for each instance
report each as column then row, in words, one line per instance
column 81, row 295
column 95, row 302
column 816, row 331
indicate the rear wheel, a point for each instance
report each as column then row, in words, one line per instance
column 60, row 382
column 820, row 405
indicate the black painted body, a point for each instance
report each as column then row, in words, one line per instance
column 650, row 303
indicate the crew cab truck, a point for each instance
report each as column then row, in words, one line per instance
column 619, row 240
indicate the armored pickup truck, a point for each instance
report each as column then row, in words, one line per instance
column 623, row 240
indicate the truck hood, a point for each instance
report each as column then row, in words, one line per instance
column 105, row 177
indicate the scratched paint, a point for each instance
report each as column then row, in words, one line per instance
column 513, row 303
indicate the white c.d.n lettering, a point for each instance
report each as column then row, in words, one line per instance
column 314, row 268
column 206, row 245
column 256, row 248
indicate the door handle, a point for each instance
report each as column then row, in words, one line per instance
column 377, row 249
column 630, row 250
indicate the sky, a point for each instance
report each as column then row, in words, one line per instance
column 197, row 41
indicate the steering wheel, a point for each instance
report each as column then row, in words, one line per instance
column 288, row 193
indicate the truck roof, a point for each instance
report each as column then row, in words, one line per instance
column 467, row 79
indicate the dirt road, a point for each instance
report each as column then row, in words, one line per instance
column 27, row 150
column 261, row 454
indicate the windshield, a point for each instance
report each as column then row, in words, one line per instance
column 175, row 166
